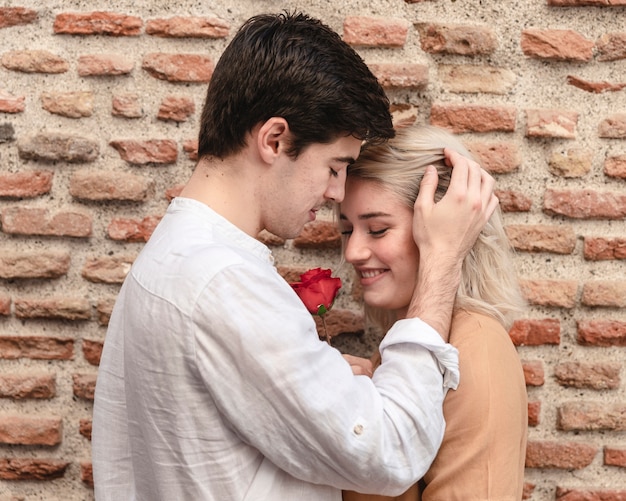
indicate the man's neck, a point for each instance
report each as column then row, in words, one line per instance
column 227, row 187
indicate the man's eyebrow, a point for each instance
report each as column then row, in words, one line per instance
column 347, row 160
column 369, row 215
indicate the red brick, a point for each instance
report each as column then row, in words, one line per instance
column 5, row 305
column 291, row 273
column 62, row 308
column 22, row 430
column 612, row 46
column 538, row 332
column 582, row 3
column 601, row 332
column 84, row 385
column 596, row 376
column 563, row 455
column 32, row 469
column 97, row 23
column 613, row 127
column 534, row 413
column 132, row 230
column 401, row 75
column 10, row 103
column 615, row 456
column 28, row 386
column 473, row 118
column 594, row 87
column 68, row 104
column 319, row 235
column 174, row 191
column 611, row 293
column 270, row 239
column 179, row 67
column 542, row 238
column 86, row 473
column 585, row 204
column 551, row 123
column 104, row 65
column 615, row 166
column 403, row 114
column 126, row 105
column 36, row 347
column 176, row 108
column 527, row 490
column 33, row 264
column 569, row 494
column 58, row 147
column 591, row 416
column 600, row 248
column 85, row 427
column 555, row 293
column 152, row 151
column 21, row 220
column 107, row 270
column 25, row 184
column 92, row 351
column 188, row 27
column 558, row 45
column 191, row 148
column 569, row 163
column 340, row 321
column 109, row 185
column 456, row 39
column 34, row 61
column 364, row 31
column 533, row 373
column 104, row 309
column 14, row 16
column 469, row 78
column 513, row 201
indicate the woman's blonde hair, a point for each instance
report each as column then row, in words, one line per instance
column 488, row 281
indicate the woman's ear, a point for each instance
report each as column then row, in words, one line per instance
column 272, row 138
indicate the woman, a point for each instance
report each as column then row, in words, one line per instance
column 483, row 450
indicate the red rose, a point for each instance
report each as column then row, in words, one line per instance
column 317, row 290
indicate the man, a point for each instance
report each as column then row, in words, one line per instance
column 213, row 384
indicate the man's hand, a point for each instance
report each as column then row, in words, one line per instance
column 360, row 366
column 445, row 232
column 450, row 227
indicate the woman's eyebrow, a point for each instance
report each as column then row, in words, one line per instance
column 368, row 215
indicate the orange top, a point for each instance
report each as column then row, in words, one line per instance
column 484, row 446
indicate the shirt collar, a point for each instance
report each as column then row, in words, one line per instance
column 224, row 227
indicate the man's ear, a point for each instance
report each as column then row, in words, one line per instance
column 272, row 138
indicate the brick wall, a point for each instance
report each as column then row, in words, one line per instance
column 98, row 120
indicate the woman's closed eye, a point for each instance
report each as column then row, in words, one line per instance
column 378, row 233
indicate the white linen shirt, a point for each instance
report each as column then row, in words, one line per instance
column 213, row 384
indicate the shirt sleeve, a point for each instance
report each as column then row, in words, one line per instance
column 446, row 355
column 295, row 399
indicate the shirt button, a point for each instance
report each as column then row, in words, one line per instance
column 358, row 429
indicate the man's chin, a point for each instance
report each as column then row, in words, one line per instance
column 287, row 233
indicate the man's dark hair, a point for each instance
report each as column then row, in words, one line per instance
column 295, row 67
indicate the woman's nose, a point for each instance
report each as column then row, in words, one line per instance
column 355, row 250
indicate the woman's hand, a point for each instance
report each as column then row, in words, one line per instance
column 360, row 366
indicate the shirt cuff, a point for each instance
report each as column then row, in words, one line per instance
column 416, row 331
